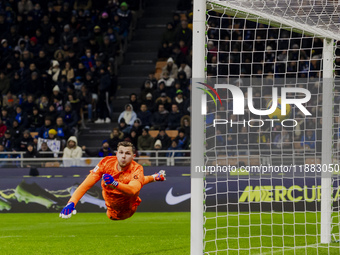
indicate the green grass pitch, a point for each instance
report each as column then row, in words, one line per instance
column 269, row 233
column 161, row 234
column 94, row 233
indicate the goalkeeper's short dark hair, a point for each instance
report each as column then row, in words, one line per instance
column 127, row 144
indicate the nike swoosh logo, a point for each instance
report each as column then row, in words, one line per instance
column 174, row 200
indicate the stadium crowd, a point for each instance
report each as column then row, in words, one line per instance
column 58, row 70
column 59, row 64
column 246, row 53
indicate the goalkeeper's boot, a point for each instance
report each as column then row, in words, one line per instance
column 160, row 176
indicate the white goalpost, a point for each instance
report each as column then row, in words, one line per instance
column 265, row 184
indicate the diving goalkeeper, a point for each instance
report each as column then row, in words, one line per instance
column 122, row 180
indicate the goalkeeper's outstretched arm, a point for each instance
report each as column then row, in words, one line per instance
column 69, row 209
column 157, row 177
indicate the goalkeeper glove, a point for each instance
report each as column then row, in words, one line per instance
column 68, row 211
column 108, row 179
column 160, row 176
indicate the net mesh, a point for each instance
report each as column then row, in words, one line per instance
column 262, row 184
column 317, row 17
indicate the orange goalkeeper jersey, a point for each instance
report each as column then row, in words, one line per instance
column 115, row 200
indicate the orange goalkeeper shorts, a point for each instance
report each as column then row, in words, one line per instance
column 123, row 213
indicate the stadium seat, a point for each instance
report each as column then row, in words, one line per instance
column 153, row 133
column 172, row 133
column 159, row 69
column 52, row 164
column 33, row 134
column 312, row 161
column 144, row 161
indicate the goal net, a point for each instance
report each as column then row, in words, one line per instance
column 271, row 114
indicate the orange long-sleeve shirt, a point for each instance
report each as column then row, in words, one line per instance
column 115, row 198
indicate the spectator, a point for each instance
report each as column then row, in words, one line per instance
column 63, row 132
column 68, row 71
column 182, row 80
column 45, row 151
column 123, row 127
column 159, row 91
column 86, row 102
column 159, row 119
column 174, row 147
column 185, row 125
column 78, row 84
column 70, row 117
column 7, row 140
column 137, row 126
column 104, row 151
column 158, row 145
column 88, row 60
column 43, row 133
column 43, row 104
column 115, row 137
column 66, row 38
column 33, row 46
column 308, row 140
column 31, row 153
column 179, row 100
column 168, row 81
column 103, row 107
column 21, row 117
column 34, row 85
column 164, row 100
column 4, row 84
column 25, row 6
column 174, row 119
column 6, row 116
column 72, row 152
column 164, row 52
column 35, row 120
column 22, row 142
column 183, row 33
column 3, row 128
column 169, row 35
column 182, row 140
column 149, row 102
column 42, row 61
column 146, row 89
column 72, row 97
column 50, row 47
column 57, row 99
column 16, row 129
column 185, row 68
column 134, row 101
column 164, row 138
column 92, row 85
column 171, row 68
column 125, row 17
column 16, row 85
column 132, row 138
column 129, row 115
column 55, row 71
column 145, row 116
column 145, row 141
column 29, row 104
